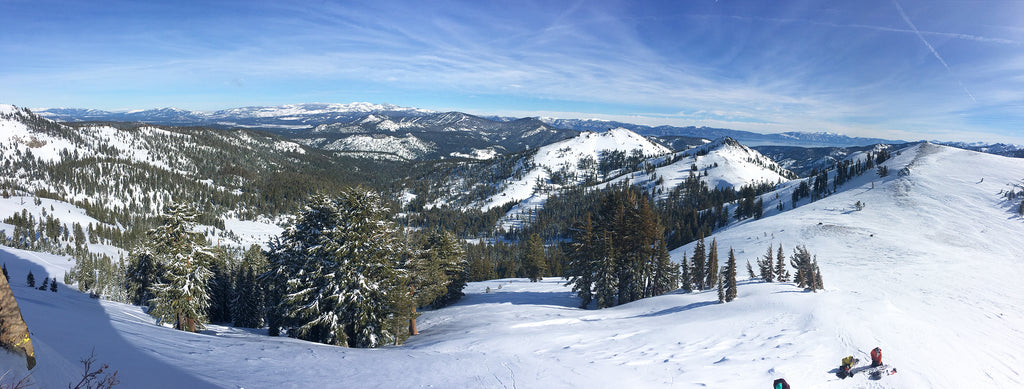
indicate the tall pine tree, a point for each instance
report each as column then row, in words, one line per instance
column 247, row 305
column 450, row 254
column 584, row 260
column 712, row 273
column 767, row 265
column 721, row 290
column 534, row 261
column 220, row 287
column 807, row 273
column 606, row 284
column 730, row 277
column 700, row 270
column 686, row 278
column 141, row 274
column 182, row 299
column 781, row 273
column 337, row 262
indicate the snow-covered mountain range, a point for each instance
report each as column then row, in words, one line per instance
column 383, row 118
column 280, row 118
column 326, row 125
column 792, row 138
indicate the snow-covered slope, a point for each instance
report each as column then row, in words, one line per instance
column 406, row 147
column 723, row 163
column 929, row 271
column 566, row 156
column 567, row 159
column 121, row 175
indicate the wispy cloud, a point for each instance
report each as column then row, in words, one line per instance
column 739, row 64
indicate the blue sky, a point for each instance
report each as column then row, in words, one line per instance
column 945, row 70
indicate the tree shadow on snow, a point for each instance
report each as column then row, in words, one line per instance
column 559, row 299
column 683, row 308
column 74, row 325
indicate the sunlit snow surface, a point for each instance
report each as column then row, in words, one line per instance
column 929, row 271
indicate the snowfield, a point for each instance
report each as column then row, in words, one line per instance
column 929, row 270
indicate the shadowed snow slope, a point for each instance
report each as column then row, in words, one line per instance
column 929, row 270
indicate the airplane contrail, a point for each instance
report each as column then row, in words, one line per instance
column 932, row 49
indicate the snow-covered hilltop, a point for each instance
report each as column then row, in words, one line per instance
column 723, row 163
column 575, row 161
column 928, row 269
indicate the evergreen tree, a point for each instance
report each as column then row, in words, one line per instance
column 45, row 284
column 141, row 274
column 337, row 262
column 781, row 273
column 556, row 260
column 53, row 286
column 712, row 273
column 31, row 280
column 666, row 275
column 807, row 272
column 534, row 261
column 767, row 265
column 730, row 277
column 450, row 255
column 818, row 284
column 686, row 279
column 584, row 260
column 247, row 306
column 220, row 288
column 182, row 298
column 700, row 271
column 721, row 291
column 750, row 270
column 606, row 284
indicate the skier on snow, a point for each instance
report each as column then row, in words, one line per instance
column 876, row 357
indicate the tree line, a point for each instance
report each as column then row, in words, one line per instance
column 343, row 273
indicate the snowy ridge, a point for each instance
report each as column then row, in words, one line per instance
column 15, row 135
column 728, row 164
column 407, row 148
column 891, row 265
column 137, row 168
column 482, row 154
column 564, row 157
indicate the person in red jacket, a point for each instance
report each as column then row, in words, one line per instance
column 876, row 357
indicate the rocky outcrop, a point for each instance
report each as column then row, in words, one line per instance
column 14, row 334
